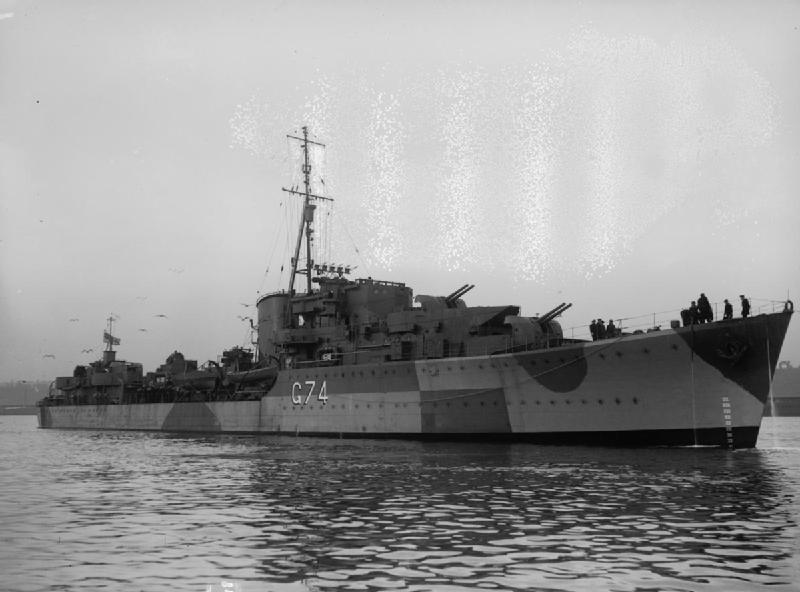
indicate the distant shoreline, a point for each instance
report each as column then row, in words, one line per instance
column 18, row 410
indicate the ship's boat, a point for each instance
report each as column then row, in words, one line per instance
column 365, row 358
column 256, row 375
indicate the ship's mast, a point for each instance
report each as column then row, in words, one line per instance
column 307, row 219
column 109, row 353
column 109, row 339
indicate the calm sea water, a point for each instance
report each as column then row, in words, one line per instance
column 82, row 510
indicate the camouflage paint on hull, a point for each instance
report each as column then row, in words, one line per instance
column 216, row 416
column 700, row 385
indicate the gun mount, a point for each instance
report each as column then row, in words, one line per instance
column 452, row 299
column 552, row 314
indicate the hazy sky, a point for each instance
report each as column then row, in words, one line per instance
column 622, row 156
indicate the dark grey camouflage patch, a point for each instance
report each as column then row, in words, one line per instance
column 745, row 351
column 560, row 371
column 464, row 410
column 191, row 417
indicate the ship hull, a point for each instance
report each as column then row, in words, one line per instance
column 700, row 385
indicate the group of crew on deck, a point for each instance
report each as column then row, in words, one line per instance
column 700, row 311
column 600, row 330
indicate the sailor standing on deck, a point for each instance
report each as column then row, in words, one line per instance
column 728, row 314
column 704, row 308
column 694, row 313
column 593, row 329
column 745, row 306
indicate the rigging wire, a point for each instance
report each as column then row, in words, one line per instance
column 271, row 255
column 328, row 233
column 355, row 246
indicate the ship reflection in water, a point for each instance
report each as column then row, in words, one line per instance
column 131, row 510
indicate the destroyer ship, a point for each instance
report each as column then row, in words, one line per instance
column 366, row 358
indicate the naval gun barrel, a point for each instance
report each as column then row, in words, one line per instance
column 550, row 315
column 452, row 298
column 455, row 294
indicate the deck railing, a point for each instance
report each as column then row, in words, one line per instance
column 662, row 319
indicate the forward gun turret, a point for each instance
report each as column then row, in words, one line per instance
column 550, row 315
column 452, row 300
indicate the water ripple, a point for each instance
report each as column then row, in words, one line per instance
column 113, row 511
